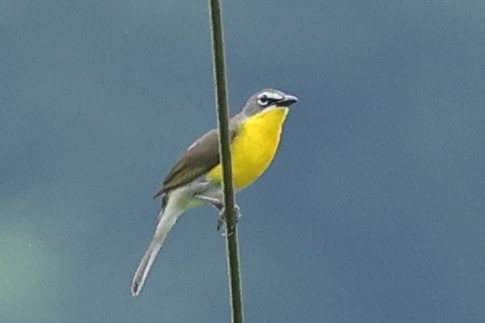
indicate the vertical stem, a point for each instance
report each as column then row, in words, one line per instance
column 225, row 153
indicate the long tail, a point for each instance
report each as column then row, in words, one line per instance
column 167, row 218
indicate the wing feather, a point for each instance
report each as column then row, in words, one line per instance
column 200, row 158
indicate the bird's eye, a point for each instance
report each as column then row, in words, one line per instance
column 263, row 100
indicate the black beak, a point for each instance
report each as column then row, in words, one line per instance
column 287, row 100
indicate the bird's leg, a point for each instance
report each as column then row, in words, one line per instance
column 221, row 221
column 218, row 204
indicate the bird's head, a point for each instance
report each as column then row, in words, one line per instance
column 267, row 98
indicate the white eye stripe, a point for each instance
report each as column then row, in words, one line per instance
column 271, row 96
column 268, row 98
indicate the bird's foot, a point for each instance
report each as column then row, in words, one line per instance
column 221, row 221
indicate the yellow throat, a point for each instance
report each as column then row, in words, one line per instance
column 254, row 147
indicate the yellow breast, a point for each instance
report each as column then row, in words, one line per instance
column 254, row 147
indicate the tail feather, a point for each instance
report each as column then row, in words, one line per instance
column 167, row 218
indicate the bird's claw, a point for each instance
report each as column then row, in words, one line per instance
column 221, row 222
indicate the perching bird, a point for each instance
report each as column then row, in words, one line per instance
column 196, row 179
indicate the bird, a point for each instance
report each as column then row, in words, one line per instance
column 196, row 179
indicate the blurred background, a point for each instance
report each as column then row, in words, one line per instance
column 373, row 210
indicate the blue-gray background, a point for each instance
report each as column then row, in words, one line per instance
column 373, row 210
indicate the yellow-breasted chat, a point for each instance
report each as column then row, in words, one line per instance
column 196, row 179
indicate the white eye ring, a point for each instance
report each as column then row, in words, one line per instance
column 263, row 100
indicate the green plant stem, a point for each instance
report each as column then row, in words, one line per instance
column 225, row 153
